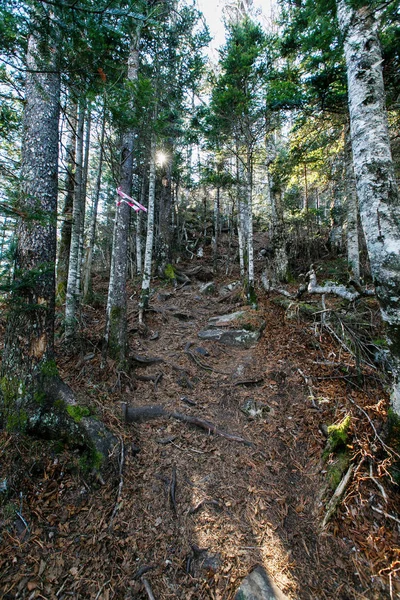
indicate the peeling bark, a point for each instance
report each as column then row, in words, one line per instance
column 377, row 189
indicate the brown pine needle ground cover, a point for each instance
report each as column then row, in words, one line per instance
column 193, row 512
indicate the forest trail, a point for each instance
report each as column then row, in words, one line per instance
column 200, row 511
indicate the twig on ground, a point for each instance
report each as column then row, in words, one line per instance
column 101, row 589
column 172, row 490
column 385, row 514
column 337, row 496
column 378, row 485
column 140, row 572
column 147, row 588
column 120, row 486
column 145, row 413
column 308, row 384
column 378, row 437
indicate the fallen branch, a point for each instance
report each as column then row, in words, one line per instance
column 210, row 427
column 172, row 490
column 145, row 361
column 388, row 448
column 385, row 514
column 120, row 486
column 145, row 413
column 147, row 588
column 337, row 496
column 308, row 384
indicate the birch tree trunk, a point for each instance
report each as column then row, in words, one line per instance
column 116, row 325
column 71, row 301
column 92, row 234
column 377, row 190
column 353, row 251
column 145, row 294
column 85, row 171
column 66, row 227
column 29, row 342
column 139, row 257
column 251, row 294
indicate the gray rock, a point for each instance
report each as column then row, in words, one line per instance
column 231, row 337
column 258, row 586
column 225, row 289
column 207, row 288
column 226, row 320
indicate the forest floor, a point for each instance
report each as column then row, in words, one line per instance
column 191, row 511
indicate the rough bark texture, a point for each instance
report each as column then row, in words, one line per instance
column 29, row 344
column 116, row 326
column 353, row 251
column 66, row 226
column 377, row 190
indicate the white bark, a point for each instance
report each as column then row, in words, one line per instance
column 71, row 301
column 92, row 234
column 375, row 179
column 116, row 325
column 148, row 256
column 353, row 251
column 250, row 246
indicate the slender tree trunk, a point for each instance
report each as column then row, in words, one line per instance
column 164, row 255
column 85, row 172
column 216, row 228
column 139, row 220
column 377, row 189
column 71, row 303
column 92, row 234
column 144, row 299
column 280, row 260
column 66, row 227
column 29, row 343
column 116, row 325
column 251, row 294
column 353, row 252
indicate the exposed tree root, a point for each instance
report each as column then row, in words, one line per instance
column 145, row 413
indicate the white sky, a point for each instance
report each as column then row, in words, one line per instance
column 212, row 11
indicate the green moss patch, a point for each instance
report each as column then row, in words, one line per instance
column 78, row 412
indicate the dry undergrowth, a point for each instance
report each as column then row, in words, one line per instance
column 199, row 510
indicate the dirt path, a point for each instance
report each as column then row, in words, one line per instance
column 198, row 510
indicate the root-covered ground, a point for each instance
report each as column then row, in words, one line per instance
column 190, row 511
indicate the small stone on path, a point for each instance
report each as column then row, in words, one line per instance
column 258, row 586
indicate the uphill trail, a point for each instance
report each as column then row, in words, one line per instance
column 192, row 511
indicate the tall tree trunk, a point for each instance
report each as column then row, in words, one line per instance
column 71, row 302
column 377, row 190
column 353, row 251
column 29, row 344
column 139, row 220
column 216, row 229
column 116, row 325
column 164, row 254
column 145, row 294
column 85, row 173
column 251, row 294
column 92, row 234
column 66, row 227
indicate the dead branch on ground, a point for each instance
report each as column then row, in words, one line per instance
column 145, row 413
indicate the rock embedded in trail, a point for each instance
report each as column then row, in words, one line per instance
column 207, row 288
column 258, row 586
column 242, row 328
